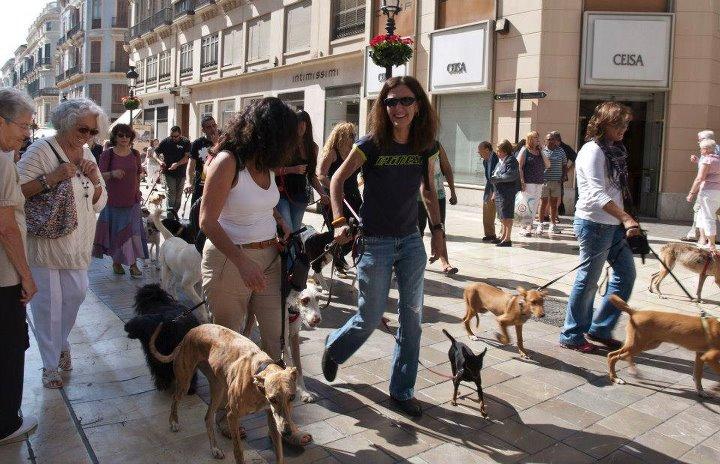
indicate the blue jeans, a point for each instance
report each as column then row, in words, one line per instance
column 594, row 237
column 292, row 212
column 407, row 256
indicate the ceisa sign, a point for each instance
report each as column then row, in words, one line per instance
column 459, row 58
column 621, row 50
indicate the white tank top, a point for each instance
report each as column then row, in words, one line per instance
column 247, row 215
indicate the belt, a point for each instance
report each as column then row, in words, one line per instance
column 260, row 245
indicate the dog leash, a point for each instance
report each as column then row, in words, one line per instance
column 152, row 189
column 186, row 197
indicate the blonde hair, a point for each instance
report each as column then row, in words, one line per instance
column 607, row 114
column 707, row 144
column 532, row 135
column 341, row 131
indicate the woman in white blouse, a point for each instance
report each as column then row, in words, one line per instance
column 59, row 266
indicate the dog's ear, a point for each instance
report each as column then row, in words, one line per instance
column 293, row 372
column 259, row 382
column 521, row 291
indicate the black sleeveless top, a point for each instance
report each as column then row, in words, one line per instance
column 350, row 187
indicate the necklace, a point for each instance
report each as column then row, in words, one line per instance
column 85, row 182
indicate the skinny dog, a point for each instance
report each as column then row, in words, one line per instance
column 691, row 257
column 508, row 309
column 648, row 329
column 238, row 371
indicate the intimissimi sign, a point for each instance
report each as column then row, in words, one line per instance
column 627, row 50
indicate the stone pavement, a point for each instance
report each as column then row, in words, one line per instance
column 556, row 408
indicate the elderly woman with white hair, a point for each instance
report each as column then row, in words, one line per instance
column 692, row 234
column 17, row 286
column 706, row 188
column 64, row 188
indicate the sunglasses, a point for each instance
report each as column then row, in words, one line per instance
column 87, row 130
column 404, row 101
column 125, row 136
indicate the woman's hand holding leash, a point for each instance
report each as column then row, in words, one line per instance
column 343, row 235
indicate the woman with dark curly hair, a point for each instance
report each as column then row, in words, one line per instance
column 241, row 263
column 297, row 176
column 120, row 233
column 601, row 220
column 397, row 160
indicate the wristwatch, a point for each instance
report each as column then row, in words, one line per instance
column 438, row 226
column 45, row 185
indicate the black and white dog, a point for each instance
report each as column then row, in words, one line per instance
column 153, row 306
column 314, row 245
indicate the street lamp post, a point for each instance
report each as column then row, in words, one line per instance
column 390, row 8
column 132, row 75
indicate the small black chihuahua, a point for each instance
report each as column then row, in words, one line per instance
column 466, row 366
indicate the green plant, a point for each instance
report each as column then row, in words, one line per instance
column 390, row 50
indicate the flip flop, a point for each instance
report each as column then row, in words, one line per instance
column 296, row 439
column 450, row 270
column 432, row 259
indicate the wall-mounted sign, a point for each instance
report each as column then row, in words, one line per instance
column 156, row 101
column 315, row 75
column 459, row 58
column 375, row 75
column 627, row 50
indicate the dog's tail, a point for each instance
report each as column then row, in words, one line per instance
column 159, row 356
column 448, row 335
column 620, row 304
column 155, row 216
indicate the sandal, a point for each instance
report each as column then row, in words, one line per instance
column 51, row 379
column 118, row 269
column 65, row 363
column 298, row 438
column 432, row 259
column 135, row 272
column 450, row 270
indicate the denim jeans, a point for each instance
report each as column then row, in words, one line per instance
column 580, row 318
column 381, row 255
column 292, row 212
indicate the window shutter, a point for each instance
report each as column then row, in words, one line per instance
column 297, row 29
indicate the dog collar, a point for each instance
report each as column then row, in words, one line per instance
column 263, row 365
column 293, row 314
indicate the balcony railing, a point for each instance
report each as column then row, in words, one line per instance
column 96, row 23
column 94, row 67
column 61, row 40
column 199, row 3
column 186, row 71
column 141, row 28
column 209, row 64
column 49, row 92
column 72, row 71
column 163, row 17
column 72, row 31
column 184, row 7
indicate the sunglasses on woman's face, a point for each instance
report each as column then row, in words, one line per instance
column 404, row 101
column 87, row 130
column 124, row 136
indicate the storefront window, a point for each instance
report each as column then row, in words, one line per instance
column 162, row 122
column 247, row 101
column 227, row 111
column 342, row 104
column 294, row 99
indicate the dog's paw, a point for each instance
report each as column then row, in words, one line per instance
column 662, row 297
column 618, row 381
column 218, row 453
column 308, row 397
column 524, row 355
column 174, row 427
column 632, row 370
column 474, row 338
column 454, row 403
column 502, row 338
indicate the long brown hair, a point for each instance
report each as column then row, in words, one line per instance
column 607, row 114
column 424, row 127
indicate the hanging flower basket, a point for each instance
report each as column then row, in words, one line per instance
column 131, row 103
column 390, row 50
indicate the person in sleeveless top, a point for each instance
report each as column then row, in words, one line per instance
column 297, row 178
column 397, row 159
column 120, row 233
column 336, row 149
column 533, row 164
column 241, row 266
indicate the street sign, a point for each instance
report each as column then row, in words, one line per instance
column 518, row 96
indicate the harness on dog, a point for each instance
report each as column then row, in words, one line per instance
column 264, row 365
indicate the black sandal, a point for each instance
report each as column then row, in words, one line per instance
column 450, row 270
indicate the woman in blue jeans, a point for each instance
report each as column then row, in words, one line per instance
column 396, row 158
column 294, row 180
column 601, row 221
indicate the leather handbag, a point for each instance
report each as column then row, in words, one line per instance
column 52, row 214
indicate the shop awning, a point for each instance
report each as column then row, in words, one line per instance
column 125, row 118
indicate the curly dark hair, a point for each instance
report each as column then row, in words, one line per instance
column 265, row 132
column 121, row 129
column 424, row 127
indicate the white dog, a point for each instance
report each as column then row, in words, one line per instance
column 153, row 239
column 302, row 309
column 179, row 262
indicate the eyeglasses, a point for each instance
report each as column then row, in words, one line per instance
column 124, row 136
column 27, row 127
column 87, row 130
column 404, row 101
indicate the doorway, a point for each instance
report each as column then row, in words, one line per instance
column 643, row 141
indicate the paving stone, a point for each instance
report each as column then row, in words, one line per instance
column 559, row 452
column 701, row 455
column 630, row 422
column 357, row 450
column 656, row 448
column 520, row 435
column 687, row 429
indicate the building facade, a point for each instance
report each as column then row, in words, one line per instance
column 659, row 57
column 91, row 57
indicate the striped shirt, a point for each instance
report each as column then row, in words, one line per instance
column 558, row 159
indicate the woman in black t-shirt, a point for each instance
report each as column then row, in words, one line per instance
column 396, row 161
column 295, row 180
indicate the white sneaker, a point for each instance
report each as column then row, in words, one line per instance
column 27, row 428
column 539, row 229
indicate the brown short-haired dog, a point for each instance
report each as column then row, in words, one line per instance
column 691, row 257
column 238, row 370
column 508, row 309
column 648, row 329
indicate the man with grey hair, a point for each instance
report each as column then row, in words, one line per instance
column 692, row 234
column 17, row 285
